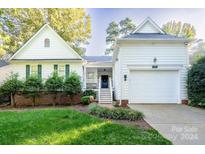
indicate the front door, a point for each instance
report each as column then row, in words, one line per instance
column 104, row 81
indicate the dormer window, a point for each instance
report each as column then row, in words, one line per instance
column 47, row 43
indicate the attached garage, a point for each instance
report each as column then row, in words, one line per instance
column 150, row 66
column 154, row 86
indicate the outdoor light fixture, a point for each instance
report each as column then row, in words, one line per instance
column 155, row 60
column 125, row 77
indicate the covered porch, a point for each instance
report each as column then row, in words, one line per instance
column 99, row 79
column 98, row 76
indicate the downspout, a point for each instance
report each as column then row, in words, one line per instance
column 119, row 59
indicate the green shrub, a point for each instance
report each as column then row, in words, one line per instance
column 72, row 85
column 89, row 93
column 54, row 84
column 115, row 113
column 32, row 86
column 10, row 87
column 196, row 83
column 85, row 100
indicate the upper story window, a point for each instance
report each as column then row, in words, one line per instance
column 47, row 43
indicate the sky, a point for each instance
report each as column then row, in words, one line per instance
column 100, row 19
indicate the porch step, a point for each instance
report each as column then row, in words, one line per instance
column 105, row 96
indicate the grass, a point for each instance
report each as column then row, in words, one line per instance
column 66, row 126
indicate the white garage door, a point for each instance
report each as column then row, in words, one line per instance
column 153, row 87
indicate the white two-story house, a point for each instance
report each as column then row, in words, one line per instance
column 148, row 66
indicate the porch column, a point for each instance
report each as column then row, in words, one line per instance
column 84, row 75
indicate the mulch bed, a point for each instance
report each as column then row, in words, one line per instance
column 139, row 123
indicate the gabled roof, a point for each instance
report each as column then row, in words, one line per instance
column 149, row 20
column 152, row 36
column 98, row 58
column 159, row 35
column 37, row 33
column 138, row 35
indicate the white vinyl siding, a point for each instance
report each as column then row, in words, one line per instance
column 117, row 80
column 143, row 54
column 5, row 72
column 47, row 68
column 36, row 49
column 148, row 28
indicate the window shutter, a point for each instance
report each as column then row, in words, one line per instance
column 67, row 70
column 27, row 71
column 40, row 71
column 56, row 68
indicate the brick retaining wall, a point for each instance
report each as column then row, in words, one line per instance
column 45, row 98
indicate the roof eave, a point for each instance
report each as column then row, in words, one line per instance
column 46, row 60
column 137, row 39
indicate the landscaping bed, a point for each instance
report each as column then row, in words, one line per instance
column 69, row 126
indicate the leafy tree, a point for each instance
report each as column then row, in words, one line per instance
column 177, row 28
column 198, row 50
column 11, row 86
column 126, row 26
column 113, row 33
column 18, row 25
column 32, row 87
column 54, row 84
column 72, row 84
column 196, row 83
column 116, row 30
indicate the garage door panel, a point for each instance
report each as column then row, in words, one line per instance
column 153, row 87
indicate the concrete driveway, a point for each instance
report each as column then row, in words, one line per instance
column 179, row 123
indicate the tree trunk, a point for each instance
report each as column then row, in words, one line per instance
column 12, row 100
column 13, row 104
column 34, row 101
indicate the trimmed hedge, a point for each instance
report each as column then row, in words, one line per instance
column 196, row 83
column 85, row 100
column 34, row 85
column 115, row 113
column 89, row 93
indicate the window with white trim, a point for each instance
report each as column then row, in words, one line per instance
column 34, row 69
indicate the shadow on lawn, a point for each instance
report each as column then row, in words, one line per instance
column 113, row 134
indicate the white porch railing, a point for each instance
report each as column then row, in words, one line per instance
column 91, row 80
column 99, row 87
column 111, row 89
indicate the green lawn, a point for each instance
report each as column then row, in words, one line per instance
column 65, row 126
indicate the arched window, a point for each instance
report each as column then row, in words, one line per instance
column 47, row 43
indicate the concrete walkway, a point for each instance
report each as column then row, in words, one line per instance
column 179, row 123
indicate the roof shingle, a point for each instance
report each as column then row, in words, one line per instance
column 98, row 58
column 152, row 36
